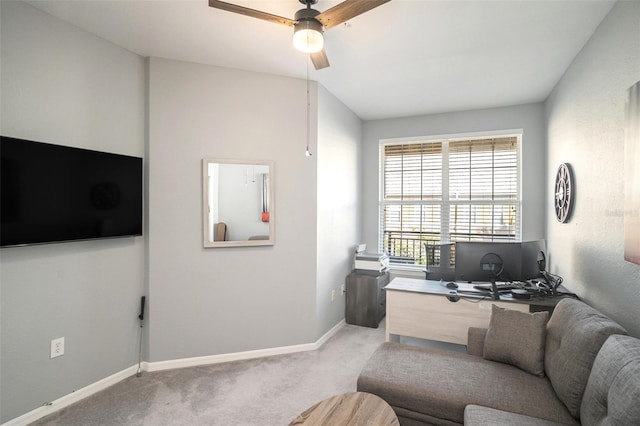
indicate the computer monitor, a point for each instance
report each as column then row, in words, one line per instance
column 534, row 254
column 500, row 261
column 487, row 261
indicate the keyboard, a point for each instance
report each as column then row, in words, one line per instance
column 500, row 286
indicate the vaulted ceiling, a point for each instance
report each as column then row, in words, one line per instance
column 404, row 58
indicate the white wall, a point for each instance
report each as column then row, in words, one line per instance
column 226, row 300
column 585, row 116
column 339, row 155
column 63, row 86
column 528, row 118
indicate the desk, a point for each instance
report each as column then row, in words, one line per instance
column 423, row 309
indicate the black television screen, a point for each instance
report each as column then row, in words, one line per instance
column 53, row 193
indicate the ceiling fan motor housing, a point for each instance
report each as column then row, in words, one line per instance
column 307, row 14
column 307, row 31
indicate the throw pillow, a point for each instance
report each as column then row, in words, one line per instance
column 517, row 338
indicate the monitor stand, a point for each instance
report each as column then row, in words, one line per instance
column 494, row 289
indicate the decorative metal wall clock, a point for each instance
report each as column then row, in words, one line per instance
column 564, row 194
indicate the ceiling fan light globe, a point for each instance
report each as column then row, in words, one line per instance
column 307, row 37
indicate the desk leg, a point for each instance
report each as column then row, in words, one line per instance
column 386, row 331
column 393, row 338
column 388, row 336
column 386, row 327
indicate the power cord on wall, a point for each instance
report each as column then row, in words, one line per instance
column 141, row 318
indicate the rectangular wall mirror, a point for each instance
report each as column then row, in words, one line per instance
column 237, row 203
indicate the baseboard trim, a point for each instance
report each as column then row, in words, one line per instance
column 240, row 356
column 71, row 398
column 102, row 384
column 326, row 336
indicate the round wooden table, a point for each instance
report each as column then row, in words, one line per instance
column 354, row 408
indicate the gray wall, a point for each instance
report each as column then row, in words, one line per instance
column 529, row 118
column 225, row 300
column 339, row 230
column 63, row 86
column 585, row 120
column 240, row 299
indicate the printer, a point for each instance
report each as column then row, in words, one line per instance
column 370, row 263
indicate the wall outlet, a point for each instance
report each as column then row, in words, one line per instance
column 333, row 295
column 57, row 347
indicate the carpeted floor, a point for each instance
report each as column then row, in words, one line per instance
column 265, row 391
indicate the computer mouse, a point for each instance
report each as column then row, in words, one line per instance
column 451, row 284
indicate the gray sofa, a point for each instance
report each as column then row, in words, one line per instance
column 525, row 369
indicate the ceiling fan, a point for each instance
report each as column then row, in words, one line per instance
column 308, row 24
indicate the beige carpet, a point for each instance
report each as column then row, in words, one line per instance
column 265, row 391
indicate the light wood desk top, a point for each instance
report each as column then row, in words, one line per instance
column 465, row 290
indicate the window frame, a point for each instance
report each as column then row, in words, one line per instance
column 445, row 202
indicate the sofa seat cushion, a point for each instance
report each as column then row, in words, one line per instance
column 438, row 384
column 575, row 334
column 475, row 415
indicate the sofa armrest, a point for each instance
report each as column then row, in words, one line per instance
column 475, row 340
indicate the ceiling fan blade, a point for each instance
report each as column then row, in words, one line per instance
column 346, row 10
column 320, row 59
column 217, row 4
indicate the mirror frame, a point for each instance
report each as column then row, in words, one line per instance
column 205, row 204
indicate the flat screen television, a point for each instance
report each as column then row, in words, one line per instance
column 502, row 261
column 53, row 193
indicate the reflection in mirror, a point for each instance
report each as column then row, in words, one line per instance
column 237, row 203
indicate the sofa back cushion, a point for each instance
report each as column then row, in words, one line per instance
column 575, row 334
column 612, row 395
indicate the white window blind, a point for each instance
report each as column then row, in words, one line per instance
column 439, row 192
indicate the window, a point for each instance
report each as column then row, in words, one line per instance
column 438, row 192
